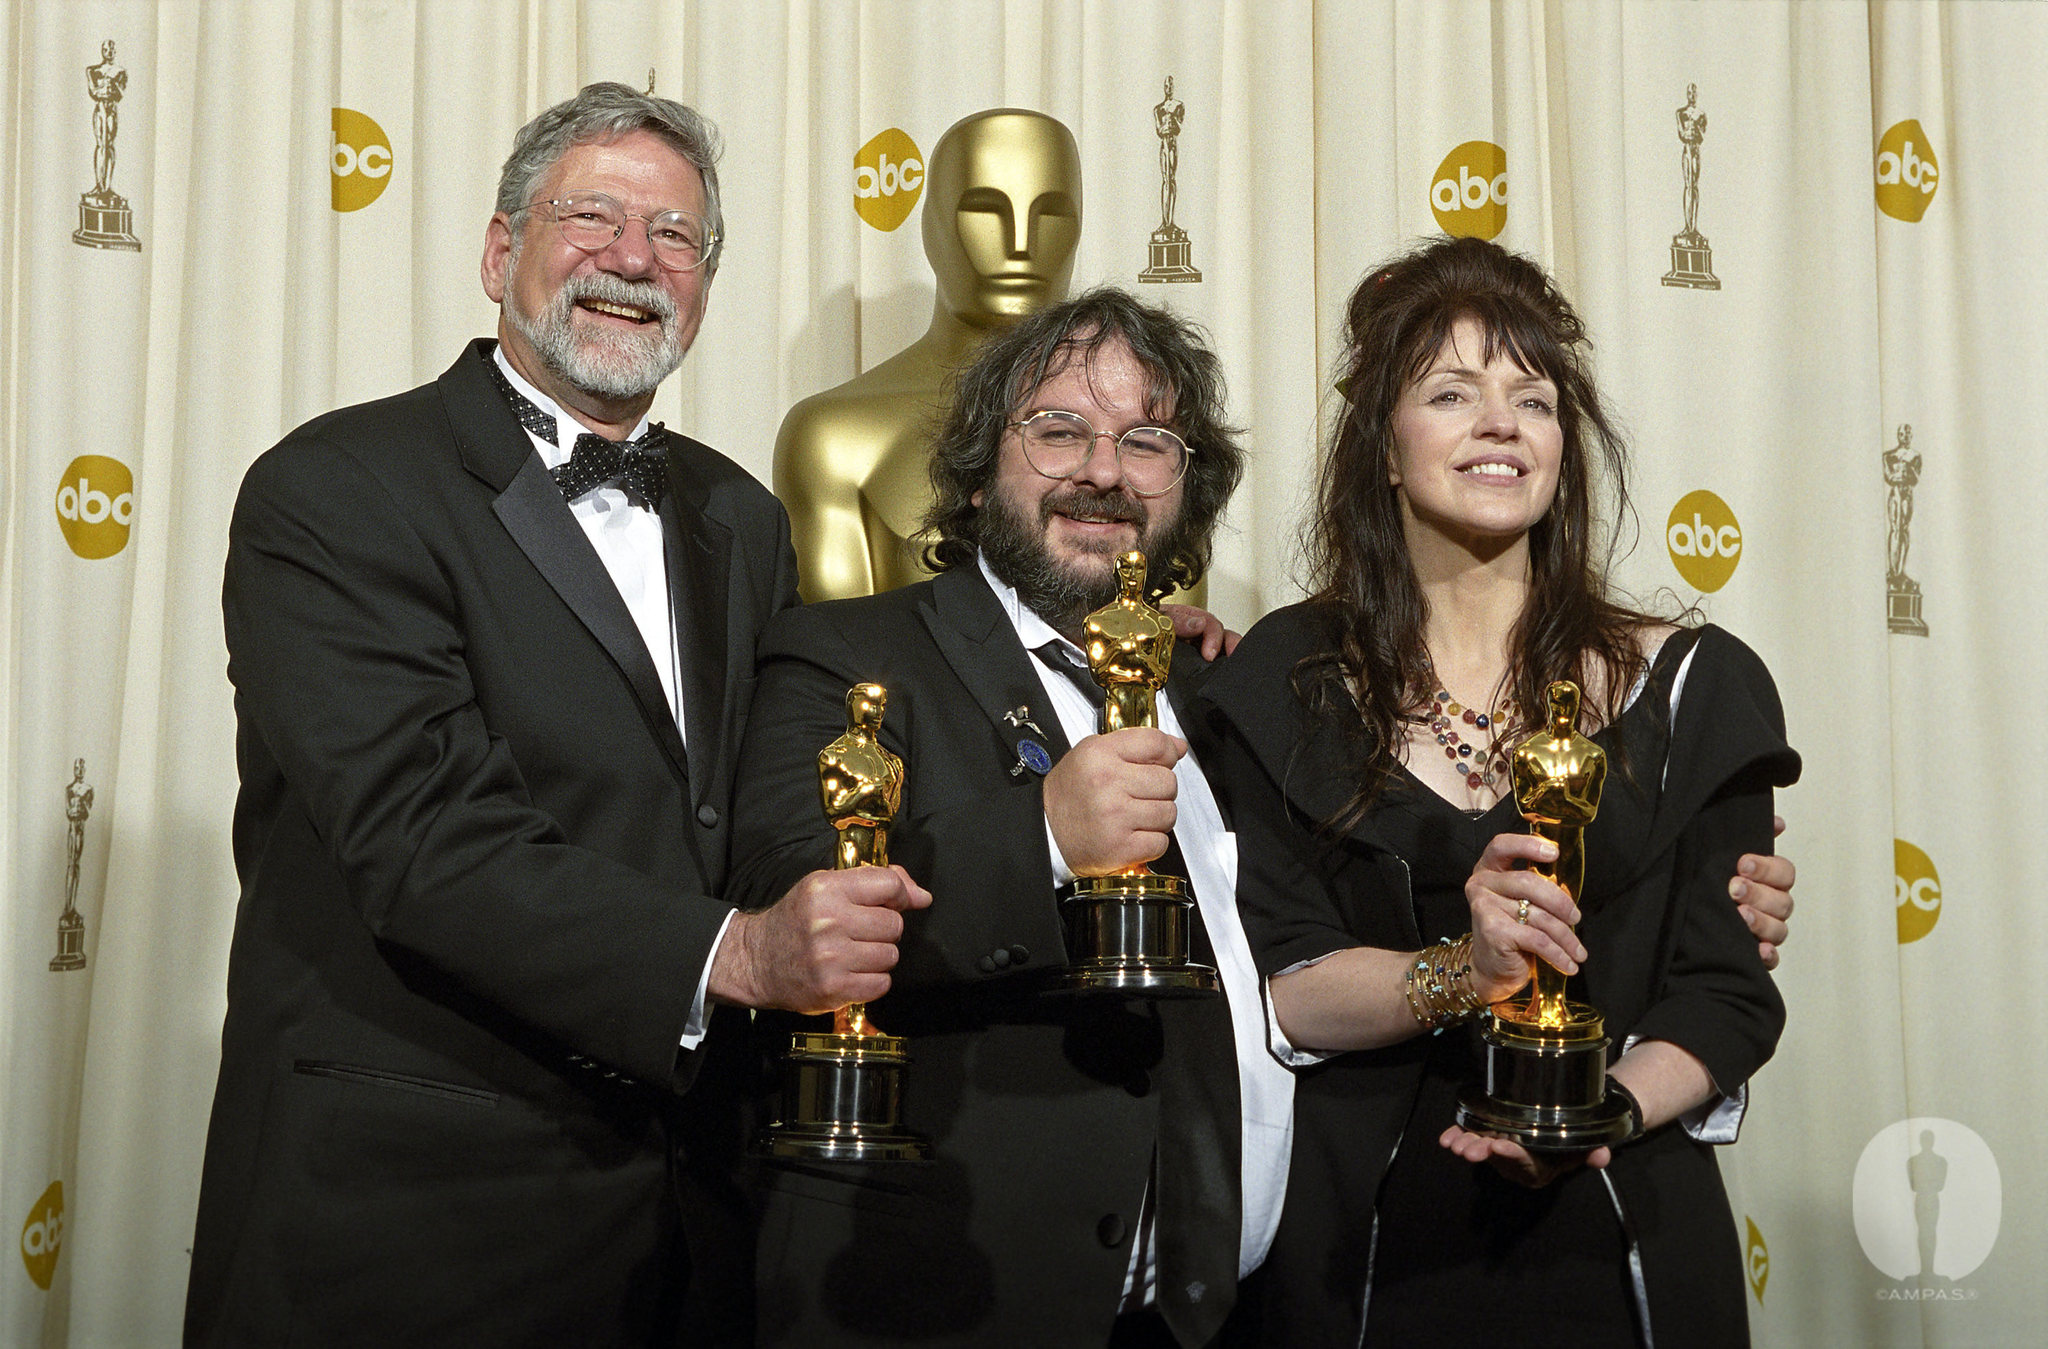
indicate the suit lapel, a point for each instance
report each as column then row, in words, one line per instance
column 1184, row 681
column 977, row 640
column 497, row 450
column 699, row 571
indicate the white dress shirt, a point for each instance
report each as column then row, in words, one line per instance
column 1265, row 1087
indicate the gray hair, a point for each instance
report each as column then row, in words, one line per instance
column 603, row 112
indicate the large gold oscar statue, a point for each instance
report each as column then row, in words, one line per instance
column 1546, row 1057
column 842, row 1091
column 1002, row 217
column 1128, row 932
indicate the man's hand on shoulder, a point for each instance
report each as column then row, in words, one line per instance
column 1762, row 891
column 828, row 942
column 1202, row 628
column 1110, row 799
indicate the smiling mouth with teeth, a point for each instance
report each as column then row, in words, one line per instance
column 1493, row 471
column 619, row 311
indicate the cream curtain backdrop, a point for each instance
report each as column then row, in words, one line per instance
column 1898, row 1125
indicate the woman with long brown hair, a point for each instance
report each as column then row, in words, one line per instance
column 1459, row 565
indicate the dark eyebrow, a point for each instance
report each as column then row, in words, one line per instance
column 1526, row 378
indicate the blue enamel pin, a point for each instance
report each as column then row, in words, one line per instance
column 1033, row 756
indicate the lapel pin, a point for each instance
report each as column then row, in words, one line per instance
column 1031, row 755
column 1021, row 716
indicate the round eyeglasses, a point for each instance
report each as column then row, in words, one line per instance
column 682, row 240
column 1059, row 444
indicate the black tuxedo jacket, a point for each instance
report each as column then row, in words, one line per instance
column 1042, row 1107
column 478, row 866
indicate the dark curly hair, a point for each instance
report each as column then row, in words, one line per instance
column 1359, row 567
column 1183, row 377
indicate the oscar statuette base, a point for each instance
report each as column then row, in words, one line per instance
column 70, row 942
column 1172, row 257
column 1902, row 607
column 1129, row 934
column 842, row 1101
column 1692, row 264
column 106, row 222
column 1546, row 1086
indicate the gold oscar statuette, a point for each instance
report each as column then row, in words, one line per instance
column 842, row 1090
column 1546, row 1056
column 1128, row 932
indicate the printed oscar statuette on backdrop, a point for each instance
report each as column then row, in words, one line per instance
column 1172, row 257
column 1692, row 257
column 1128, row 932
column 104, row 217
column 1902, row 592
column 70, row 923
column 1546, row 1057
column 842, row 1090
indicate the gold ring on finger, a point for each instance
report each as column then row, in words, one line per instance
column 1522, row 912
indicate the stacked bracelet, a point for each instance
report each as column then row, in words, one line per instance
column 1439, row 985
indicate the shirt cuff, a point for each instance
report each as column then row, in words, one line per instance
column 1277, row 1043
column 1062, row 874
column 1718, row 1119
column 694, row 1028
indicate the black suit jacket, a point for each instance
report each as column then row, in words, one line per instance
column 1042, row 1107
column 478, row 866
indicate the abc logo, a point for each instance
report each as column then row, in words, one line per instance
column 361, row 160
column 1918, row 888
column 1907, row 173
column 95, row 503
column 43, row 1234
column 1757, row 1257
column 1704, row 540
column 1470, row 191
column 888, row 178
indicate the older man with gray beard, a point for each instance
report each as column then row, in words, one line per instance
column 492, row 644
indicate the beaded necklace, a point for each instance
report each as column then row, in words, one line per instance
column 1482, row 764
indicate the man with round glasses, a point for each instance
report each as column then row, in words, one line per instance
column 1088, row 1181
column 492, row 643
column 1059, row 445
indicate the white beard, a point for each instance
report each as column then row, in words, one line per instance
column 610, row 363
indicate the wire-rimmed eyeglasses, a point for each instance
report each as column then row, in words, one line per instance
column 682, row 240
column 1058, row 444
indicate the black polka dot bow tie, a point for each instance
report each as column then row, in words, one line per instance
column 639, row 468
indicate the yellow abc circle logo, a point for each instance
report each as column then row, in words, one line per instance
column 888, row 178
column 1907, row 172
column 1469, row 191
column 1918, row 888
column 1704, row 539
column 360, row 156
column 95, row 503
column 43, row 1235
column 1757, row 1256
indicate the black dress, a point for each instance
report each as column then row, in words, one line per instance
column 1387, row 1234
